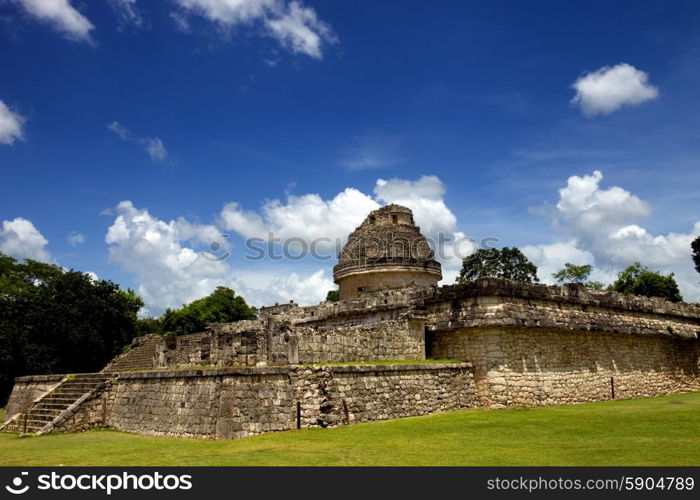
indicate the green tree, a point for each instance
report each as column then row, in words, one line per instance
column 221, row 306
column 695, row 245
column 577, row 274
column 57, row 321
column 639, row 280
column 145, row 326
column 333, row 296
column 509, row 263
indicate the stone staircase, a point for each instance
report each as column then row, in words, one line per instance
column 50, row 407
column 141, row 356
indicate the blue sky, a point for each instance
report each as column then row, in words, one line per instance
column 466, row 110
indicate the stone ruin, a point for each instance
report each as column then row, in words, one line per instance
column 504, row 344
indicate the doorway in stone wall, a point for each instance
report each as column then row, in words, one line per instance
column 428, row 341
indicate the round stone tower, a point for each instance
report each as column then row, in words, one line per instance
column 386, row 251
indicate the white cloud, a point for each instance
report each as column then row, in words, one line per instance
column 425, row 198
column 300, row 30
column 308, row 217
column 20, row 239
column 10, row 125
column 155, row 148
column 294, row 25
column 75, row 238
column 609, row 88
column 152, row 145
column 127, row 12
column 603, row 228
column 62, row 16
column 328, row 222
column 171, row 270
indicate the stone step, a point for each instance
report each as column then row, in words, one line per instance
column 52, row 406
column 47, row 411
column 59, row 398
column 39, row 420
column 82, row 377
column 33, row 422
column 70, row 392
column 87, row 384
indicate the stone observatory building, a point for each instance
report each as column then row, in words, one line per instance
column 502, row 343
column 386, row 251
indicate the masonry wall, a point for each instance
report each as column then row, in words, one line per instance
column 279, row 342
column 535, row 367
column 27, row 389
column 234, row 403
column 353, row 285
column 383, row 340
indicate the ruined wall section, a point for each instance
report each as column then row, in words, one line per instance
column 386, row 340
column 498, row 302
column 540, row 345
column 234, row 403
column 278, row 341
column 547, row 367
column 27, row 389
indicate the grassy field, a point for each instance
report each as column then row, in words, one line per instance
column 656, row 431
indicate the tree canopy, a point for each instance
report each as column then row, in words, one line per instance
column 333, row 296
column 695, row 246
column 57, row 321
column 509, row 263
column 639, row 280
column 221, row 306
column 577, row 274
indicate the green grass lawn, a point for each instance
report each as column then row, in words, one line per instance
column 655, row 431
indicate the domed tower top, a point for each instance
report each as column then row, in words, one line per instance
column 387, row 250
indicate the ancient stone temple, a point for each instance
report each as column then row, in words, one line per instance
column 506, row 343
column 386, row 251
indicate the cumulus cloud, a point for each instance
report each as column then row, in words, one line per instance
column 11, row 125
column 62, row 16
column 171, row 268
column 20, row 239
column 173, row 264
column 152, row 145
column 308, row 217
column 603, row 228
column 75, row 238
column 609, row 88
column 328, row 222
column 599, row 226
column 300, row 30
column 295, row 26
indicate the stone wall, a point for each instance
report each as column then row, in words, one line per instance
column 354, row 285
column 234, row 403
column 535, row 367
column 27, row 389
column 492, row 302
column 384, row 340
column 366, row 393
column 277, row 341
